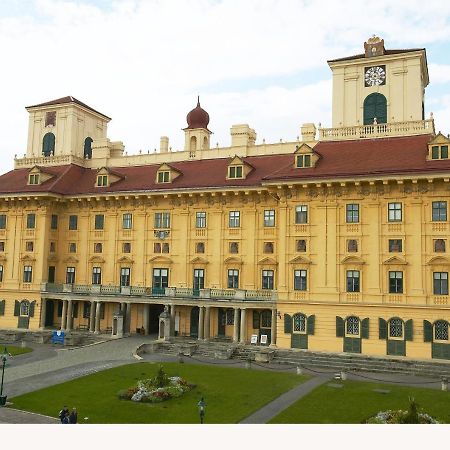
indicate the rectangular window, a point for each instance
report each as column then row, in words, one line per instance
column 27, row 274
column 70, row 275
column 127, row 221
column 435, row 152
column 234, row 220
column 72, row 247
column 303, row 161
column 396, row 282
column 31, row 221
column 199, row 247
column 160, row 278
column 73, row 222
column 99, row 221
column 394, row 212
column 29, row 246
column 439, row 212
column 301, row 245
column 126, row 247
column 233, row 279
column 54, row 222
column 353, row 281
column 1, row 274
column 235, row 172
column 269, row 218
column 2, row 246
column 33, row 178
column 301, row 214
column 267, row 279
column 165, row 247
column 125, row 276
column 352, row 213
column 162, row 220
column 200, row 219
column 444, row 151
column 440, row 283
column 199, row 279
column 268, row 247
column 164, row 177
column 102, row 180
column 96, row 275
column 300, row 280
column 234, row 247
column 2, row 221
column 395, row 245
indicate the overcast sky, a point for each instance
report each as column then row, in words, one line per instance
column 143, row 62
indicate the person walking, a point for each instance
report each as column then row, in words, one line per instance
column 62, row 414
column 66, row 418
column 73, row 418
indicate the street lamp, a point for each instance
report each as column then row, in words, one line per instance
column 201, row 409
column 4, row 357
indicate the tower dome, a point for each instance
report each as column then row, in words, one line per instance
column 198, row 117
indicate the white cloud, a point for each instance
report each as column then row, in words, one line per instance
column 143, row 62
column 439, row 73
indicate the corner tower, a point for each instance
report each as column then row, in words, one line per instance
column 379, row 85
column 197, row 134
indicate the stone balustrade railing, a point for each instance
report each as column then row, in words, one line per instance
column 392, row 129
column 57, row 160
column 168, row 292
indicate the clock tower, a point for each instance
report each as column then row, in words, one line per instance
column 379, row 85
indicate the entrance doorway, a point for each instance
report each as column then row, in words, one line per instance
column 221, row 320
column 49, row 313
column 262, row 321
column 153, row 322
column 195, row 311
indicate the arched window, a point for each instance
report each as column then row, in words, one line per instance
column 396, row 328
column 375, row 107
column 24, row 308
column 48, row 144
column 193, row 144
column 352, row 325
column 441, row 330
column 299, row 321
column 266, row 319
column 205, row 143
column 87, row 148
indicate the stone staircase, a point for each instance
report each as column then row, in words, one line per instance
column 319, row 361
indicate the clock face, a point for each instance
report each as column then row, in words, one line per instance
column 375, row 76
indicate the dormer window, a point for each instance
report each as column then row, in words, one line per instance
column 438, row 147
column 235, row 172
column 34, row 178
column 102, row 180
column 164, row 176
column 303, row 161
column 439, row 152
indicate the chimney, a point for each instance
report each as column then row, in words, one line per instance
column 164, row 144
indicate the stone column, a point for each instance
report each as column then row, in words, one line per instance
column 207, row 322
column 64, row 315
column 92, row 318
column 236, row 325
column 127, row 320
column 97, row 317
column 273, row 332
column 43, row 312
column 243, row 327
column 69, row 315
column 200, row 323
column 172, row 320
column 146, row 318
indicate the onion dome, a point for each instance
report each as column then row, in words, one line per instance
column 198, row 117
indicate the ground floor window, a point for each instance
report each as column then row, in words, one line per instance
column 25, row 308
column 299, row 321
column 352, row 326
column 230, row 316
column 441, row 330
column 396, row 328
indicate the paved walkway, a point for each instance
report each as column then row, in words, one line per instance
column 9, row 415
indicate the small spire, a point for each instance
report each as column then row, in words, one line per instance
column 198, row 100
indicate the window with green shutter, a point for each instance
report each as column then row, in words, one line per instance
column 339, row 326
column 2, row 307
column 382, row 329
column 16, row 308
column 427, row 331
column 409, row 330
column 365, row 328
column 310, row 324
column 287, row 323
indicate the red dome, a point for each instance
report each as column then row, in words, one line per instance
column 198, row 117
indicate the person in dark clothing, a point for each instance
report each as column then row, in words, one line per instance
column 62, row 414
column 66, row 418
column 73, row 418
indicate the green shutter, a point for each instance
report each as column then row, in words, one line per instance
column 2, row 307
column 299, row 341
column 427, row 331
column 287, row 323
column 339, row 326
column 409, row 330
column 17, row 308
column 382, row 329
column 32, row 304
column 365, row 328
column 310, row 324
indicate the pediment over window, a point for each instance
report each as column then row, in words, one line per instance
column 238, row 169
column 356, row 260
column 160, row 259
column 438, row 148
column 233, row 260
column 37, row 175
column 70, row 259
column 395, row 260
column 53, row 258
column 2, row 258
column 125, row 259
column 166, row 173
column 27, row 258
column 199, row 260
column 305, row 157
column 96, row 259
column 438, row 261
column 268, row 261
column 300, row 260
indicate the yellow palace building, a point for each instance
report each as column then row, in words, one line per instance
column 336, row 242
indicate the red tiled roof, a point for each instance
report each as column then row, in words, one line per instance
column 64, row 100
column 339, row 159
column 386, row 52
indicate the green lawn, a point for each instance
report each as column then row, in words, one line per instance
column 14, row 351
column 231, row 394
column 356, row 401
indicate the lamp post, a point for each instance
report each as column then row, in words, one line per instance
column 201, row 409
column 4, row 357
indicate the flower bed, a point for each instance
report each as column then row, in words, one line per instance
column 156, row 389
